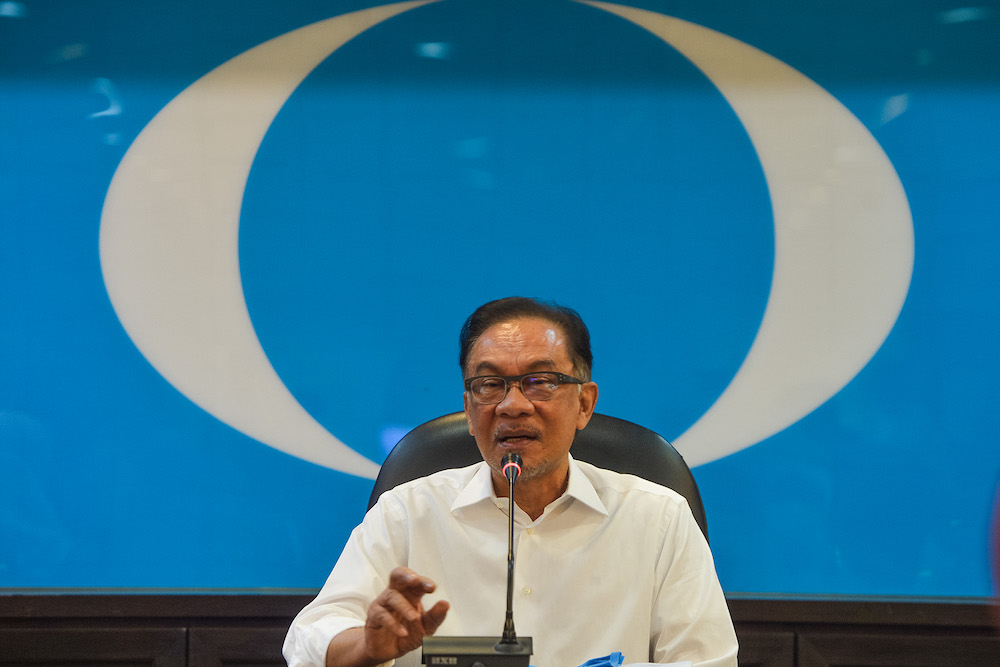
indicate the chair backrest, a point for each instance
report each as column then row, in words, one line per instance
column 607, row 442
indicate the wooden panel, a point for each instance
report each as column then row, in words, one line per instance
column 77, row 647
column 247, row 647
column 897, row 649
column 167, row 630
column 47, row 606
column 911, row 612
column 766, row 648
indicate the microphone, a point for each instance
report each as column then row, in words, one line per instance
column 486, row 651
column 511, row 466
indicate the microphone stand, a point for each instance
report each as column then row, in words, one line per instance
column 508, row 642
column 487, row 651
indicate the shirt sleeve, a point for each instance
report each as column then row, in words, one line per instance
column 374, row 548
column 691, row 619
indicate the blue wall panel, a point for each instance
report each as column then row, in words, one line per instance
column 457, row 152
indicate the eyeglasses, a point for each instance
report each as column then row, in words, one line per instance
column 540, row 386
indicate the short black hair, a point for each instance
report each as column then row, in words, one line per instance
column 514, row 307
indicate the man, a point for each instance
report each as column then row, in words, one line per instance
column 605, row 562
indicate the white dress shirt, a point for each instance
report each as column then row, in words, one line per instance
column 617, row 563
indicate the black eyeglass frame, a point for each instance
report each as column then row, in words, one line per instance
column 509, row 380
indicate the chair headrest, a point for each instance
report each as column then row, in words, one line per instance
column 607, row 442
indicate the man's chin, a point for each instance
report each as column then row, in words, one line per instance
column 529, row 468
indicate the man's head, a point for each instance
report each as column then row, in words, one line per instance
column 512, row 337
column 517, row 307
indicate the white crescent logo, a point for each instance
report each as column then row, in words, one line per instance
column 170, row 225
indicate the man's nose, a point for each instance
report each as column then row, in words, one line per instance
column 514, row 403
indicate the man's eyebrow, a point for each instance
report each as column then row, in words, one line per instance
column 484, row 368
column 542, row 364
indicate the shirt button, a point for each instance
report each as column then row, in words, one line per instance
column 526, row 591
column 531, row 531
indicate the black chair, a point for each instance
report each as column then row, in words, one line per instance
column 606, row 442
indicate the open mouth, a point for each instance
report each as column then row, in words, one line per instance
column 515, row 437
column 516, row 440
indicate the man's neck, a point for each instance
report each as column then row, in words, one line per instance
column 533, row 495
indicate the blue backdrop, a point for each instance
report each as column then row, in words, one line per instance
column 461, row 151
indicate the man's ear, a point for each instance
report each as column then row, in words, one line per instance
column 468, row 412
column 588, row 401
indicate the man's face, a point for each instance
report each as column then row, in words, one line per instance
column 541, row 432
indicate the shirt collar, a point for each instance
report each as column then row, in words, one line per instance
column 480, row 489
column 581, row 488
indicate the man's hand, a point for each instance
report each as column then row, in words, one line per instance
column 397, row 623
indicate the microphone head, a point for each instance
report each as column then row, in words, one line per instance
column 510, row 465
